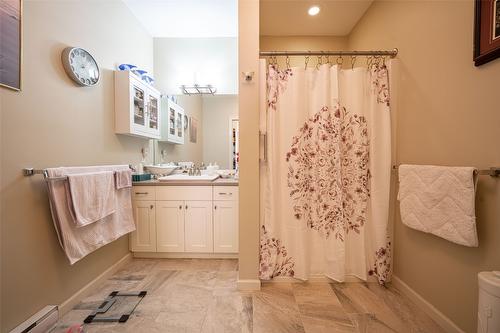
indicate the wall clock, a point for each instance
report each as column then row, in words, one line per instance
column 80, row 66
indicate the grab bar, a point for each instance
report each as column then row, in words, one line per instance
column 263, row 136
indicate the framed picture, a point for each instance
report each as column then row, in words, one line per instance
column 10, row 43
column 193, row 129
column 486, row 31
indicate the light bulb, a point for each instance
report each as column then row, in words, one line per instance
column 314, row 10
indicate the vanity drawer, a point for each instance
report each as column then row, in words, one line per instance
column 196, row 193
column 143, row 193
column 226, row 193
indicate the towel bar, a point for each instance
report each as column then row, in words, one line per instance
column 493, row 171
column 30, row 172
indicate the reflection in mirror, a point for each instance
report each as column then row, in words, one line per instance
column 235, row 143
column 209, row 126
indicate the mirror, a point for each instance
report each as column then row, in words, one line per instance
column 209, row 126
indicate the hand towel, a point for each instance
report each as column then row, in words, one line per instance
column 92, row 196
column 439, row 200
column 78, row 242
column 123, row 179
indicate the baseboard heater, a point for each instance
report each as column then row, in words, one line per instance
column 41, row 322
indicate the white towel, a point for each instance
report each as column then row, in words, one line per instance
column 92, row 196
column 78, row 242
column 439, row 200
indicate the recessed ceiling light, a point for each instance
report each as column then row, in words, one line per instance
column 314, row 10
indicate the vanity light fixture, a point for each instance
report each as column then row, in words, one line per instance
column 198, row 90
column 314, row 10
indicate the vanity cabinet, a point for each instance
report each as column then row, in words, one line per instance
column 198, row 227
column 144, row 238
column 173, row 129
column 225, row 216
column 184, row 220
column 170, row 226
column 137, row 107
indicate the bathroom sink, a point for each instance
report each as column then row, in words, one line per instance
column 161, row 169
column 184, row 177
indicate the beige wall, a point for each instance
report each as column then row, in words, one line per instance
column 218, row 111
column 52, row 122
column 448, row 114
column 248, row 61
column 189, row 151
column 302, row 43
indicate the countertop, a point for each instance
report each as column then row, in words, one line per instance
column 217, row 182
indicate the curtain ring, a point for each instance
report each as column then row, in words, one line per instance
column 341, row 60
column 383, row 61
column 369, row 62
column 353, row 61
column 306, row 62
column 276, row 62
column 328, row 59
column 287, row 62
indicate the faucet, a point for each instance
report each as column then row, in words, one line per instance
column 194, row 171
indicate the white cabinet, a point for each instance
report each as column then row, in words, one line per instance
column 226, row 226
column 172, row 129
column 143, row 239
column 137, row 107
column 198, row 226
column 185, row 219
column 170, row 226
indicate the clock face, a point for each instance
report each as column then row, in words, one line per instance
column 80, row 66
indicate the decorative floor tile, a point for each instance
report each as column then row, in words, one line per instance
column 201, row 296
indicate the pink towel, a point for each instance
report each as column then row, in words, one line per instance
column 123, row 179
column 79, row 242
column 92, row 196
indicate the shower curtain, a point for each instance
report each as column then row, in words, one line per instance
column 326, row 179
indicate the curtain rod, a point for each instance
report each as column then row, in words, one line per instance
column 391, row 53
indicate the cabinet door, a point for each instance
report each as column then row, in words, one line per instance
column 226, row 226
column 170, row 226
column 198, row 226
column 175, row 123
column 143, row 239
column 180, row 126
column 139, row 105
column 153, row 120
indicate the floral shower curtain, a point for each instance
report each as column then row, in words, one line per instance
column 325, row 184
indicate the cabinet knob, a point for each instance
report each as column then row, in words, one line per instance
column 215, row 207
column 152, row 206
column 180, row 206
column 186, row 206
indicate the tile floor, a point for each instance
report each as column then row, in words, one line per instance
column 200, row 295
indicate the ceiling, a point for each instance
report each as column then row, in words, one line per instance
column 187, row 18
column 290, row 18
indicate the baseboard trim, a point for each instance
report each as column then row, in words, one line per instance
column 184, row 255
column 439, row 317
column 68, row 304
column 317, row 279
column 248, row 284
